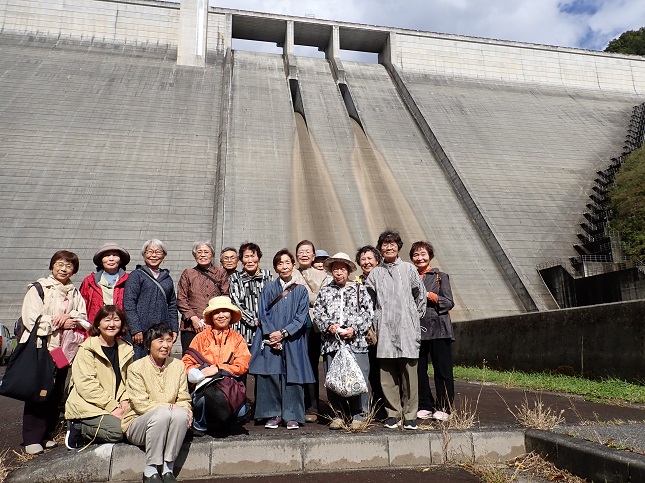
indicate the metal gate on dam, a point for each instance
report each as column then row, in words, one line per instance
column 128, row 120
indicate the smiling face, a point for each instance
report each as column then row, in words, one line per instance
column 284, row 268
column 367, row 262
column 203, row 256
column 221, row 319
column 109, row 328
column 62, row 271
column 421, row 259
column 340, row 273
column 390, row 251
column 160, row 348
column 111, row 261
column 153, row 257
column 305, row 256
column 250, row 261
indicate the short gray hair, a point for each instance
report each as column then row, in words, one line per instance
column 199, row 243
column 153, row 242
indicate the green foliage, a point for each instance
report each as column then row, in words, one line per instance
column 628, row 203
column 601, row 390
column 630, row 42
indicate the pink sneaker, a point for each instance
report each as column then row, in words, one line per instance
column 424, row 414
column 441, row 416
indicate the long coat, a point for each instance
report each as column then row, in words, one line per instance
column 289, row 313
column 435, row 323
column 400, row 303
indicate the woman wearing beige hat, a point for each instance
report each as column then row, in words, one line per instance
column 216, row 351
column 343, row 312
column 105, row 286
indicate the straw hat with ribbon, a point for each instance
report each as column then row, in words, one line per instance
column 221, row 302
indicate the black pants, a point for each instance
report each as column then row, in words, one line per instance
column 312, row 391
column 186, row 337
column 378, row 399
column 40, row 419
column 438, row 351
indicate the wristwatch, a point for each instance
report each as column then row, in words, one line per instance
column 284, row 333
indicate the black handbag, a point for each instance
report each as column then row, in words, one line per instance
column 31, row 371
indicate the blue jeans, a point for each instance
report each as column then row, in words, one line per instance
column 275, row 397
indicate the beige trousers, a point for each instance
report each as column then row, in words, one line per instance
column 161, row 431
column 400, row 387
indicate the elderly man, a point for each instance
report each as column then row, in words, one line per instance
column 229, row 260
column 400, row 303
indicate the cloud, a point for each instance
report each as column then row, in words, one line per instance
column 588, row 24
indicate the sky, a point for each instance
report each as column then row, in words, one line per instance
column 587, row 24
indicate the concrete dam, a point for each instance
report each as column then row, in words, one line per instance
column 130, row 120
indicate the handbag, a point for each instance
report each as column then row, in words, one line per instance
column 344, row 376
column 31, row 371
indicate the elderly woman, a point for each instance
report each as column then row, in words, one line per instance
column 344, row 309
column 437, row 336
column 60, row 308
column 400, row 303
column 107, row 284
column 246, row 287
column 160, row 412
column 368, row 257
column 227, row 354
column 196, row 287
column 149, row 296
column 279, row 357
column 97, row 398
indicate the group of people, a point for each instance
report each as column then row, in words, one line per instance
column 394, row 317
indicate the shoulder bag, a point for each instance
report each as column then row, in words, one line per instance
column 344, row 376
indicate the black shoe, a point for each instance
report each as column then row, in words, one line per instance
column 153, row 479
column 392, row 423
column 198, row 433
column 74, row 438
column 410, row 424
column 169, row 478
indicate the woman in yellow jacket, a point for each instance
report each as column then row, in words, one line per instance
column 98, row 398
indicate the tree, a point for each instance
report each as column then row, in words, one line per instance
column 631, row 42
column 628, row 203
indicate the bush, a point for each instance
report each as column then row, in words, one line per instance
column 628, row 203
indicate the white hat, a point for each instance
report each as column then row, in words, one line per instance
column 340, row 257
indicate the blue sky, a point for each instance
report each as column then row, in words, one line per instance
column 587, row 24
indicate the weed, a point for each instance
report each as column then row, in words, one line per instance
column 537, row 416
column 346, row 421
column 533, row 464
column 5, row 468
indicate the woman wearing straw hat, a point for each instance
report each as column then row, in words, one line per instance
column 106, row 285
column 344, row 309
column 226, row 352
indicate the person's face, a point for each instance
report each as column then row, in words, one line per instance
column 320, row 265
column 160, row 348
column 203, row 256
column 284, row 267
column 153, row 257
column 390, row 251
column 340, row 273
column 109, row 327
column 62, row 270
column 250, row 261
column 421, row 259
column 229, row 260
column 305, row 256
column 111, row 261
column 221, row 319
column 367, row 262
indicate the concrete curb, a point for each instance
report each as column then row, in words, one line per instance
column 588, row 460
column 248, row 456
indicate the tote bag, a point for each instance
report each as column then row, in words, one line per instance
column 30, row 372
column 344, row 376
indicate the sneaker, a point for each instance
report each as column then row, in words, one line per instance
column 392, row 423
column 49, row 444
column 34, row 449
column 311, row 418
column 273, row 423
column 292, row 425
column 336, row 423
column 73, row 437
column 441, row 416
column 424, row 414
column 359, row 424
column 410, row 424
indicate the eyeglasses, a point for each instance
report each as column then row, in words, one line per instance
column 388, row 243
column 64, row 265
column 304, row 252
column 154, row 252
column 229, row 259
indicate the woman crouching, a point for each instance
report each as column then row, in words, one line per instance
column 160, row 412
column 217, row 351
column 98, row 399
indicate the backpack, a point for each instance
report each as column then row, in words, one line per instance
column 19, row 326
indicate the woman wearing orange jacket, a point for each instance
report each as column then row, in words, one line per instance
column 227, row 354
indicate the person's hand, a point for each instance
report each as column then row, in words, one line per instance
column 348, row 333
column 210, row 370
column 332, row 328
column 275, row 337
column 190, row 422
column 59, row 320
column 125, row 405
column 433, row 297
column 197, row 324
column 118, row 413
column 174, row 337
column 69, row 324
column 138, row 338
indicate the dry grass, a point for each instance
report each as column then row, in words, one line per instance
column 537, row 416
column 5, row 468
column 523, row 468
column 346, row 421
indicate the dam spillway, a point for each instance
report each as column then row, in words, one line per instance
column 107, row 134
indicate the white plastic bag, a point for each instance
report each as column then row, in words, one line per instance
column 344, row 376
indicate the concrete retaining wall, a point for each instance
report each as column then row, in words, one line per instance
column 602, row 340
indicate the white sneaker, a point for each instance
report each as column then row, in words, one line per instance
column 440, row 416
column 34, row 448
column 424, row 414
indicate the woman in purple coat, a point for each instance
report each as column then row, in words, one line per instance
column 279, row 355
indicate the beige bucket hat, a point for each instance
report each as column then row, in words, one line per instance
column 340, row 257
column 111, row 247
column 221, row 302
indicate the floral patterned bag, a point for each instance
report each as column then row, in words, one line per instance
column 344, row 376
